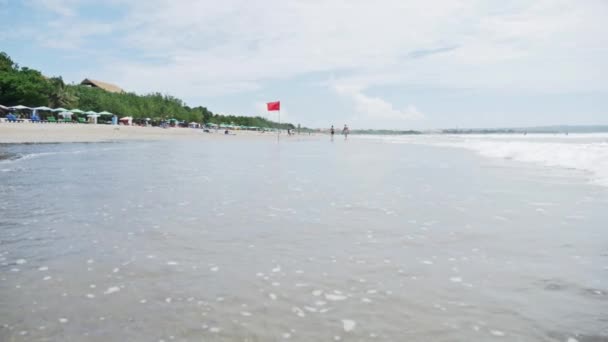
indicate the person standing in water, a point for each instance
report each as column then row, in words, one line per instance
column 345, row 131
column 332, row 132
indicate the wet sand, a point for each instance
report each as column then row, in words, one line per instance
column 58, row 133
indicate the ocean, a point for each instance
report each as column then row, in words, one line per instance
column 389, row 238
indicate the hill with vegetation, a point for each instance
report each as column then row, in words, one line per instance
column 29, row 87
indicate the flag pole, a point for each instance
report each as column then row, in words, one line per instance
column 279, row 130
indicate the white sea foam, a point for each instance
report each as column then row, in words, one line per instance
column 299, row 312
column 334, row 297
column 111, row 290
column 585, row 152
column 348, row 324
column 497, row 333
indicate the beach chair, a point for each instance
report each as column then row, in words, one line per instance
column 82, row 120
column 67, row 120
column 51, row 119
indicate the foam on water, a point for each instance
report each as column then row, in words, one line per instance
column 334, row 297
column 585, row 152
column 348, row 325
column 497, row 333
column 111, row 290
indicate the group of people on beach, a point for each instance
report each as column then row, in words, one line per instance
column 345, row 131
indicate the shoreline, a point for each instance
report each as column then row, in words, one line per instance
column 24, row 133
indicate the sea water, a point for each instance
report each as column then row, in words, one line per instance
column 427, row 238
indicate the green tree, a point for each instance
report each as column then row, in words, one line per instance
column 21, row 85
column 60, row 95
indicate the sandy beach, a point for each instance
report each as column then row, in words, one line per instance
column 57, row 133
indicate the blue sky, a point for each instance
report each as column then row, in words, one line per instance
column 375, row 64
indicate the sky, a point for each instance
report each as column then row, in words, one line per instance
column 396, row 64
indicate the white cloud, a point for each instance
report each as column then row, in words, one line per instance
column 374, row 108
column 237, row 42
column 194, row 48
column 66, row 8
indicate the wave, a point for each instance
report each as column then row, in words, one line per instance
column 585, row 152
column 6, row 158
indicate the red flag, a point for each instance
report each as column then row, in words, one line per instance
column 273, row 106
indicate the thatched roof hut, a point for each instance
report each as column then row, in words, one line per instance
column 102, row 85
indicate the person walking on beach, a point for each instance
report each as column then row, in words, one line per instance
column 345, row 131
column 332, row 132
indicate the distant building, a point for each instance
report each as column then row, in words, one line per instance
column 102, row 85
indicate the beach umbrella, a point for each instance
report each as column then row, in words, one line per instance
column 77, row 111
column 19, row 107
column 93, row 115
column 105, row 113
column 42, row 108
column 66, row 114
column 59, row 110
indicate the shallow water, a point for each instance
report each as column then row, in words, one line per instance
column 309, row 240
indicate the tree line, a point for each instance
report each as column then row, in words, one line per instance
column 29, row 87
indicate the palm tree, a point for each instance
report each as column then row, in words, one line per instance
column 60, row 95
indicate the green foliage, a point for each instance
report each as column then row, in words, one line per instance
column 21, row 85
column 60, row 95
column 6, row 63
column 249, row 121
column 30, row 88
